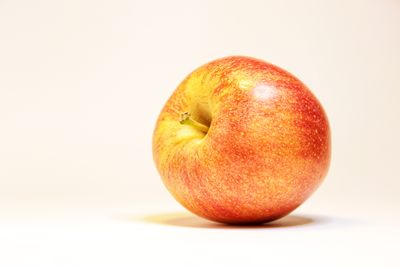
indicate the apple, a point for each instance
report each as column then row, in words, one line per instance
column 242, row 141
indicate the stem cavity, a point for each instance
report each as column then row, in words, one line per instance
column 187, row 120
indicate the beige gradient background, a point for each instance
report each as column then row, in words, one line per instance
column 82, row 83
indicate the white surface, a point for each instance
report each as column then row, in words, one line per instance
column 82, row 83
column 152, row 238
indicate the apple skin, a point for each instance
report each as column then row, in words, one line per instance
column 266, row 150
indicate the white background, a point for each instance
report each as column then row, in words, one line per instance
column 82, row 83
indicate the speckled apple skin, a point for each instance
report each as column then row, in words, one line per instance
column 266, row 151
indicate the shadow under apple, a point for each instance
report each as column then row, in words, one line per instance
column 184, row 219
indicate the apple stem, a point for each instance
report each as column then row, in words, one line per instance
column 186, row 120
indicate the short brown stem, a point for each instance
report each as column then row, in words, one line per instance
column 187, row 120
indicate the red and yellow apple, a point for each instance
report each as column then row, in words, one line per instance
column 242, row 141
